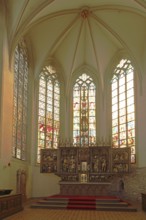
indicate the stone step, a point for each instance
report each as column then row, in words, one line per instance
column 48, row 206
column 121, row 204
column 56, row 199
column 108, row 200
column 98, row 208
column 53, row 202
column 98, row 204
column 114, row 208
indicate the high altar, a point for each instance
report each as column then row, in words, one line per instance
column 85, row 169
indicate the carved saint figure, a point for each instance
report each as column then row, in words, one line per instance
column 65, row 165
column 96, row 165
column 103, row 165
column 72, row 164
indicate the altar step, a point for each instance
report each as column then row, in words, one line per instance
column 51, row 203
column 82, row 203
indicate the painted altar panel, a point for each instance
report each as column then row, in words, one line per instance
column 49, row 161
column 121, row 160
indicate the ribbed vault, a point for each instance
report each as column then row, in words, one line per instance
column 78, row 33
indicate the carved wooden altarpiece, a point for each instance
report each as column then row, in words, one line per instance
column 85, row 164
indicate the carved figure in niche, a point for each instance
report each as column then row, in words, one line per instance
column 65, row 165
column 79, row 167
column 120, row 167
column 132, row 150
column 103, row 165
column 122, row 157
column 116, row 158
column 96, row 165
column 126, row 167
column 115, row 169
column 126, row 155
column 49, row 168
column 55, row 167
column 72, row 164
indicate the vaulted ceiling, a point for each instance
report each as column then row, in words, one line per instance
column 79, row 33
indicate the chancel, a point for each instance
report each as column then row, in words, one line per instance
column 92, row 165
column 72, row 102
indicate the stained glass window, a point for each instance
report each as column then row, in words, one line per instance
column 20, row 101
column 84, row 111
column 48, row 110
column 123, row 107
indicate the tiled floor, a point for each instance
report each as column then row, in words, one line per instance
column 58, row 214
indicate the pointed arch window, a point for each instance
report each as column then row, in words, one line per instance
column 84, row 111
column 20, row 101
column 123, row 107
column 48, row 110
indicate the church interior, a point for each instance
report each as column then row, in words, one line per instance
column 73, row 99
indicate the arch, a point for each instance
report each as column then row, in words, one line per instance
column 75, row 76
column 89, row 70
column 51, row 61
column 84, row 107
column 50, row 98
column 122, row 54
column 123, row 106
column 107, row 81
column 29, row 52
column 21, row 73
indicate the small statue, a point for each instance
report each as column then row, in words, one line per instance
column 103, row 165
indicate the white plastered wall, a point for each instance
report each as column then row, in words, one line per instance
column 141, row 122
column 8, row 165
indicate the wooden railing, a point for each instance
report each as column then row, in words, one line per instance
column 143, row 201
column 10, row 204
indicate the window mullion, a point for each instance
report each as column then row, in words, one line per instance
column 49, row 107
column 52, row 144
column 118, row 112
column 20, row 62
column 17, row 88
column 80, row 113
column 84, row 82
column 46, row 91
column 125, row 101
column 18, row 106
column 88, row 112
column 126, row 106
column 23, row 64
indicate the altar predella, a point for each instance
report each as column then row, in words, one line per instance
column 86, row 164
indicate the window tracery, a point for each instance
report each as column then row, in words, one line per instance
column 48, row 110
column 20, row 101
column 123, row 107
column 84, row 111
